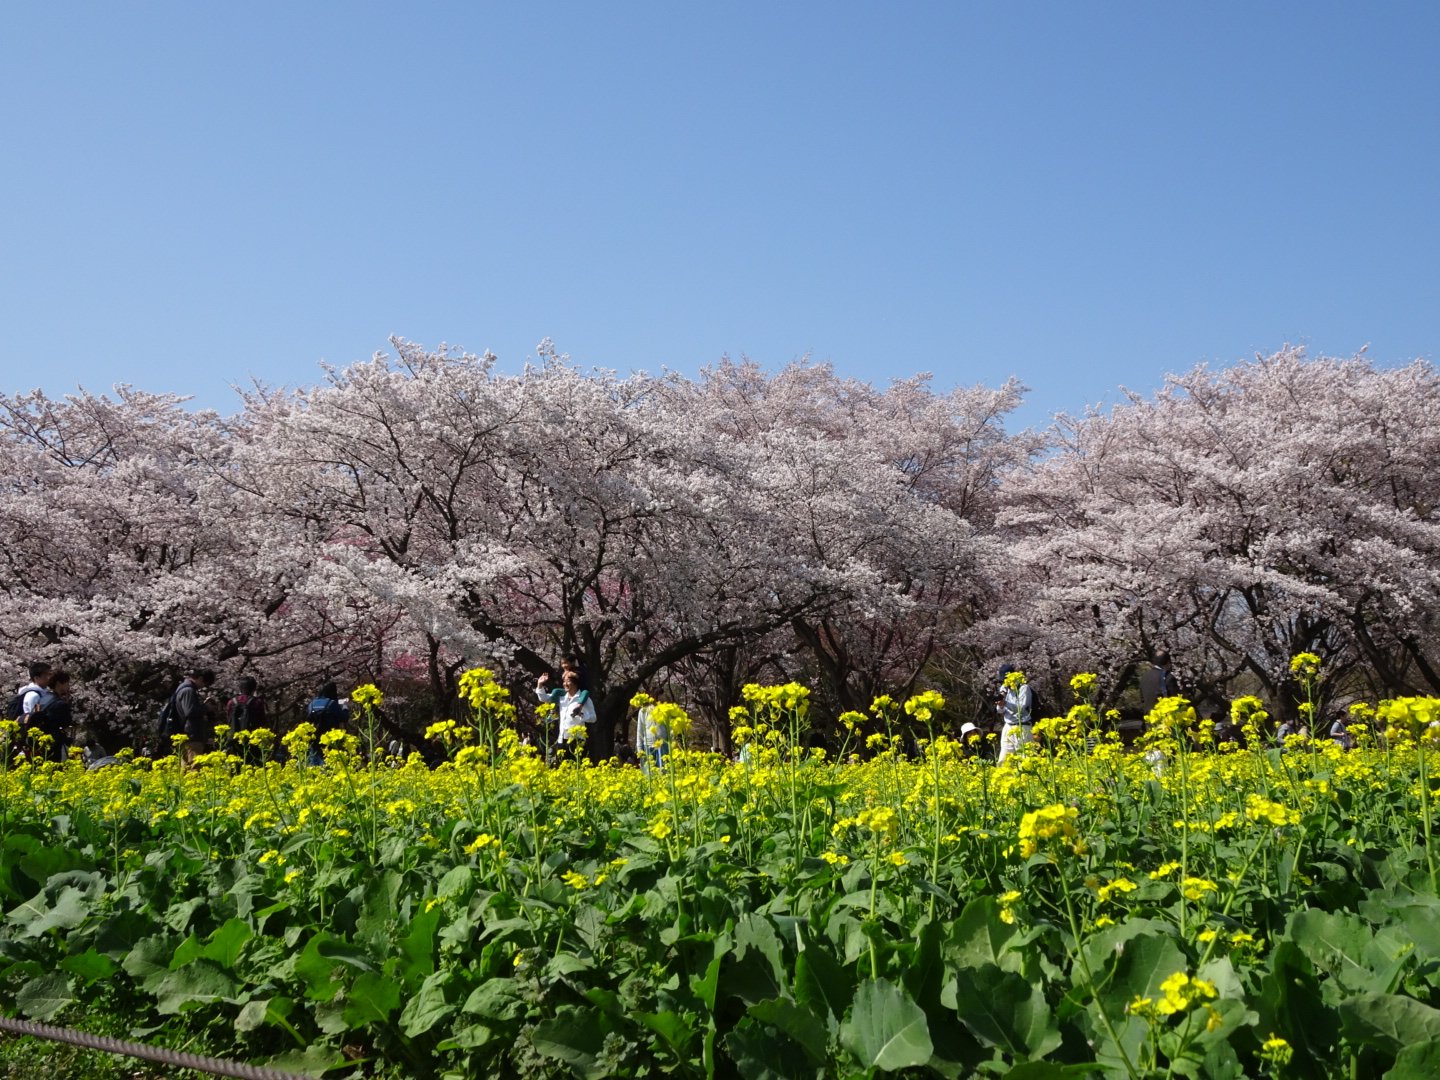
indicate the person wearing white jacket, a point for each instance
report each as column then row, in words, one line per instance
column 573, row 709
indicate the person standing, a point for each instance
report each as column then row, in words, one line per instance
column 1015, row 703
column 1157, row 680
column 327, row 714
column 191, row 715
column 246, row 712
column 652, row 738
column 35, row 696
column 59, row 716
column 574, row 711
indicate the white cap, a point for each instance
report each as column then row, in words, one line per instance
column 966, row 728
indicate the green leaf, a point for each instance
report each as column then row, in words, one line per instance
column 375, row 926
column 470, row 1037
column 495, row 999
column 799, row 1023
column 38, row 915
column 180, row 913
column 41, row 998
column 1289, row 1001
column 89, row 966
column 262, row 1011
column 673, row 1028
column 1138, row 968
column 1104, row 945
column 150, row 956
column 314, row 1060
column 1389, row 1021
column 758, row 1055
column 224, row 945
column 572, row 1036
column 1418, row 915
column 1360, row 958
column 822, row 984
column 320, row 965
column 195, row 984
column 980, row 937
column 1420, row 1062
column 372, row 999
column 428, row 1006
column 1049, row 1070
column 705, row 987
column 417, row 948
column 886, row 1030
column 457, row 884
column 1004, row 1010
column 756, row 971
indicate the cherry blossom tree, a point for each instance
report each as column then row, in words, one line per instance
column 131, row 559
column 638, row 522
column 1241, row 516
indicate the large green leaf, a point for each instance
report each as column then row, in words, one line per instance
column 822, row 984
column 980, row 936
column 1288, row 1000
column 758, row 1055
column 1103, row 946
column 755, row 970
column 225, row 944
column 1389, row 1021
column 89, row 965
column 416, row 949
column 1003, row 1009
column 372, row 999
column 495, row 999
column 1137, row 969
column 800, row 1023
column 314, row 1060
column 195, row 984
column 706, row 986
column 150, row 956
column 428, row 1006
column 1418, row 1062
column 379, row 912
column 66, row 911
column 41, row 998
column 1418, row 915
column 1359, row 958
column 573, row 1036
column 261, row 1011
column 886, row 1030
column 673, row 1028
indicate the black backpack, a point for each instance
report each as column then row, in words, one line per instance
column 326, row 714
column 15, row 709
column 168, row 723
column 239, row 717
column 1037, row 706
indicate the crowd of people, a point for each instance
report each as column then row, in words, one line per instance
column 43, row 708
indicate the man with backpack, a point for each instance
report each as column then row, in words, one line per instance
column 30, row 703
column 327, row 714
column 246, row 712
column 188, row 713
column 34, row 696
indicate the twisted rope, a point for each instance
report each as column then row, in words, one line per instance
column 157, row 1054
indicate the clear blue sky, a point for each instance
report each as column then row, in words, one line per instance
column 1080, row 194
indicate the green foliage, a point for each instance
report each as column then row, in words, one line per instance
column 1064, row 916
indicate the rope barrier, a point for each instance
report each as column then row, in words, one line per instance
column 158, row 1054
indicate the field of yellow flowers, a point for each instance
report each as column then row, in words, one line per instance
column 1080, row 910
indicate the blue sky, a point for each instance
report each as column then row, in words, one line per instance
column 1082, row 195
